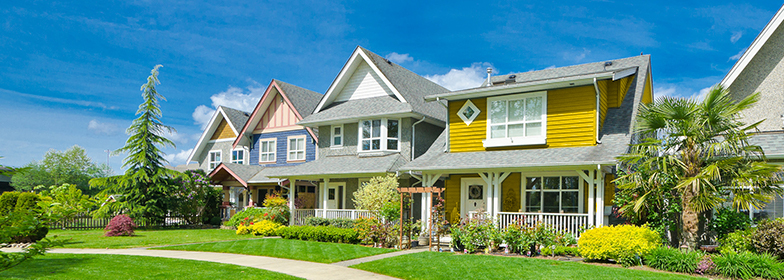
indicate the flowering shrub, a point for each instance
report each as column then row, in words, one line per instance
column 374, row 232
column 768, row 237
column 706, row 265
column 380, row 196
column 520, row 238
column 479, row 232
column 120, row 225
column 195, row 200
column 260, row 228
column 322, row 234
column 623, row 243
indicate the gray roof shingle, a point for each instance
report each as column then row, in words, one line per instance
column 236, row 117
column 616, row 135
column 772, row 143
column 358, row 108
column 342, row 165
column 304, row 100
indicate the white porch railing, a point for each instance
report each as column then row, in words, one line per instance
column 299, row 215
column 571, row 223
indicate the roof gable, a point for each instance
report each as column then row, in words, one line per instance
column 754, row 48
column 294, row 99
column 363, row 83
column 225, row 121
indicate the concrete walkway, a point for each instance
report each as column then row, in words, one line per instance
column 303, row 269
column 348, row 263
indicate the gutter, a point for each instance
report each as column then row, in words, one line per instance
column 413, row 137
column 446, row 144
column 598, row 109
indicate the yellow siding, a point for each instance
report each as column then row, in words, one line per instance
column 452, row 197
column 647, row 96
column 223, row 131
column 602, row 101
column 571, row 118
column 510, row 195
column 609, row 189
column 613, row 98
column 623, row 87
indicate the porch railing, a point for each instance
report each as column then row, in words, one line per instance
column 299, row 215
column 571, row 223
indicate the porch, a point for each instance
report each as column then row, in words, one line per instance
column 298, row 216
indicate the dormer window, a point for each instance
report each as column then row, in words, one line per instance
column 379, row 135
column 518, row 119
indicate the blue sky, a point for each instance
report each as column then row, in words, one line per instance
column 70, row 73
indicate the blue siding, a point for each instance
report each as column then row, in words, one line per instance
column 282, row 147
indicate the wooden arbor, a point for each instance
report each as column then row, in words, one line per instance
column 427, row 190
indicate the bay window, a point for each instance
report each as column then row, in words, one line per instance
column 517, row 120
column 379, row 135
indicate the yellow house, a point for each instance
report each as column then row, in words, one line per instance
column 537, row 146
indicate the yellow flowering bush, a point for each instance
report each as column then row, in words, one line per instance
column 623, row 243
column 260, row 228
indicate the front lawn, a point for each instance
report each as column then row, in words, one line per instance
column 321, row 252
column 143, row 238
column 432, row 265
column 87, row 266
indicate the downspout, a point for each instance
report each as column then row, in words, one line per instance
column 446, row 145
column 413, row 137
column 598, row 108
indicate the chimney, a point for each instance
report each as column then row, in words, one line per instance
column 489, row 71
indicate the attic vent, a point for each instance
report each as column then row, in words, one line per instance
column 510, row 79
column 608, row 63
column 387, row 60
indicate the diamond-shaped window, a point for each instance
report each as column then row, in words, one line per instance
column 468, row 112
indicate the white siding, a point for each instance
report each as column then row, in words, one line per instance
column 364, row 83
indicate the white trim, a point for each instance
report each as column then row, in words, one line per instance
column 220, row 140
column 274, row 150
column 244, row 155
column 209, row 130
column 382, row 138
column 464, row 182
column 209, row 159
column 350, row 66
column 468, row 120
column 304, row 148
column 623, row 73
column 754, row 48
column 517, row 141
column 332, row 136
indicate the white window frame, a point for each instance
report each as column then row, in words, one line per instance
column 383, row 137
column 468, row 120
column 333, row 135
column 289, row 151
column 244, row 156
column 580, row 191
column 273, row 152
column 212, row 163
column 516, row 141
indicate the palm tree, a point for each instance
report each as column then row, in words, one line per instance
column 705, row 148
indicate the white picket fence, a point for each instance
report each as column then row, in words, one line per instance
column 299, row 215
column 571, row 223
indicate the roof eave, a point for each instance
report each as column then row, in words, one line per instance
column 572, row 81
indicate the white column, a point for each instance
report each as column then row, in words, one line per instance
column 324, row 196
column 591, row 197
column 599, row 197
column 496, row 194
column 292, row 194
column 424, row 211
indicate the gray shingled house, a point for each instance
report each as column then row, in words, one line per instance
column 539, row 145
column 372, row 120
column 761, row 69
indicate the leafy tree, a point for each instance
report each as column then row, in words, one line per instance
column 196, row 201
column 67, row 201
column 380, row 196
column 146, row 186
column 704, row 148
column 72, row 166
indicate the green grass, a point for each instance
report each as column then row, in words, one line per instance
column 286, row 248
column 143, row 238
column 86, row 266
column 432, row 265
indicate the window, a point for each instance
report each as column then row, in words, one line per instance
column 296, row 148
column 267, row 149
column 516, row 120
column 379, row 135
column 468, row 112
column 553, row 194
column 337, row 136
column 238, row 156
column 215, row 159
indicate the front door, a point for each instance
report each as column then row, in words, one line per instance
column 474, row 196
column 332, row 197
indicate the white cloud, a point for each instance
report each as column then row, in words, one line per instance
column 233, row 97
column 102, row 128
column 738, row 55
column 179, row 138
column 736, row 36
column 699, row 96
column 576, row 57
column 468, row 77
column 178, row 158
column 671, row 90
column 399, row 58
column 665, row 91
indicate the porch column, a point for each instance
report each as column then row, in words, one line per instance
column 589, row 180
column 292, row 194
column 599, row 197
column 488, row 178
column 498, row 181
column 250, row 197
column 324, row 197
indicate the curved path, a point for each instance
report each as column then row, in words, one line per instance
column 304, row 269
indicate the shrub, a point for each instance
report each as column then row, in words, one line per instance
column 120, row 225
column 560, row 251
column 322, row 234
column 768, row 237
column 623, row 243
column 737, row 242
column 522, row 239
column 747, row 265
column 260, row 228
column 8, row 202
column 671, row 259
column 476, row 233
column 277, row 208
column 706, row 265
column 380, row 196
column 250, row 214
column 516, row 239
column 728, row 220
column 27, row 201
column 215, row 220
column 338, row 222
column 374, row 232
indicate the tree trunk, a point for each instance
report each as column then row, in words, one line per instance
column 690, row 220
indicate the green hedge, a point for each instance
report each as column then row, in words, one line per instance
column 8, row 202
column 338, row 222
column 322, row 234
column 560, row 251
